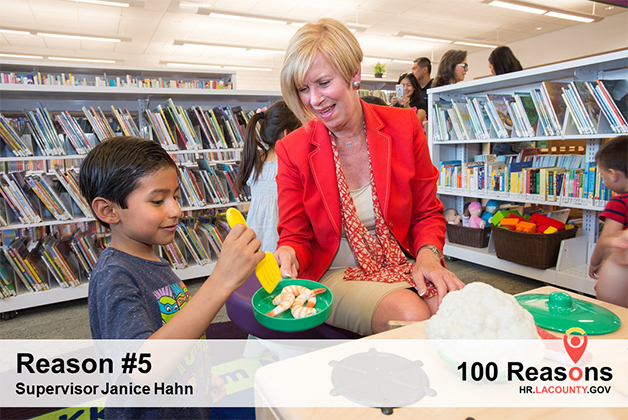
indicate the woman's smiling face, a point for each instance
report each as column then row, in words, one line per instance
column 328, row 96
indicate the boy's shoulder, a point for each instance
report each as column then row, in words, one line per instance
column 113, row 263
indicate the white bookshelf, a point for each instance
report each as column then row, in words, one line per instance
column 16, row 97
column 571, row 270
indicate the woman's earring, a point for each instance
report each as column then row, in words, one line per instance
column 356, row 85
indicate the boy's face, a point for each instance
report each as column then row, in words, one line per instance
column 151, row 215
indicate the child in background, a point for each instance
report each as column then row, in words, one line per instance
column 612, row 162
column 132, row 187
column 612, row 285
column 258, row 169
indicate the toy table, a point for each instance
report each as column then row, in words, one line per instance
column 417, row 330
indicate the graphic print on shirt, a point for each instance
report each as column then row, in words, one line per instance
column 171, row 299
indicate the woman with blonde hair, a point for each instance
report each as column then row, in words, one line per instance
column 357, row 191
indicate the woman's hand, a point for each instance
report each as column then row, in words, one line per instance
column 288, row 263
column 428, row 267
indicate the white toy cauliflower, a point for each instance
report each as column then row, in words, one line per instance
column 481, row 311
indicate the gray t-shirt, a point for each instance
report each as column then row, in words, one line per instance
column 131, row 298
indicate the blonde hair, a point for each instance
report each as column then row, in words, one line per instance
column 336, row 44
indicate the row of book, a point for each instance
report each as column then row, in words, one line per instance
column 538, row 112
column 111, row 81
column 211, row 184
column 69, row 257
column 172, row 126
column 36, row 196
column 66, row 259
column 524, row 180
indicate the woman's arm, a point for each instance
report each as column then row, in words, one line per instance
column 294, row 228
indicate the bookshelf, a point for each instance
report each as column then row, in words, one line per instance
column 571, row 270
column 14, row 98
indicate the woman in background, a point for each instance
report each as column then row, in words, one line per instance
column 502, row 60
column 258, row 169
column 451, row 69
column 411, row 95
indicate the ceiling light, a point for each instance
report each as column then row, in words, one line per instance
column 422, row 38
column 204, row 66
column 570, row 17
column 84, row 37
column 236, row 48
column 403, row 61
column 297, row 24
column 88, row 60
column 518, row 7
column 357, row 27
column 376, row 59
column 103, row 3
column 38, row 57
column 247, row 68
column 13, row 31
column 247, row 18
column 473, row 44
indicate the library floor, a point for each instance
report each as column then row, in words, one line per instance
column 70, row 320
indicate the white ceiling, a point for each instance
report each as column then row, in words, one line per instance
column 150, row 27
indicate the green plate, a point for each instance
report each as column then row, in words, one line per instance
column 558, row 311
column 263, row 303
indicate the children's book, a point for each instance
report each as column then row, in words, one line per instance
column 500, row 104
column 557, row 107
column 529, row 112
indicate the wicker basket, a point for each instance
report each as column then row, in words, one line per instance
column 529, row 249
column 474, row 237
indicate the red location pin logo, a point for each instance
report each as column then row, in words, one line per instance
column 575, row 344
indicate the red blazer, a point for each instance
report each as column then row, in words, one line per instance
column 405, row 180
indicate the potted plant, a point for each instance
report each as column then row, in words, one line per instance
column 379, row 69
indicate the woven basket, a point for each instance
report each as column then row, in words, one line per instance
column 474, row 237
column 529, row 249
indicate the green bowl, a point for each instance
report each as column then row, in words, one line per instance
column 263, row 303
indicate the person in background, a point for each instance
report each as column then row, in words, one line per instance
column 451, row 69
column 411, row 98
column 612, row 163
column 502, row 60
column 612, row 284
column 357, row 191
column 258, row 169
column 375, row 100
column 422, row 70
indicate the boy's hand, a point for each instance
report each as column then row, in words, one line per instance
column 238, row 258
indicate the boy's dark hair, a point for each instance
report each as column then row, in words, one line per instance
column 614, row 155
column 114, row 167
column 424, row 62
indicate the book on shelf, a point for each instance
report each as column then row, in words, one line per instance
column 15, row 192
column 190, row 188
column 69, row 181
column 56, row 256
column 542, row 112
column 450, row 173
column 193, row 244
column 126, row 122
column 9, row 134
column 499, row 104
column 462, row 118
column 613, row 95
column 42, row 127
column 41, row 185
column 73, row 132
column 26, row 264
column 515, row 176
column 212, row 235
column 528, row 112
column 83, row 246
column 99, row 123
column 7, row 278
column 557, row 107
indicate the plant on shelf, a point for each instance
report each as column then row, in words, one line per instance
column 379, row 69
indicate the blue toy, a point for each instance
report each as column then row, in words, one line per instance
column 489, row 210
